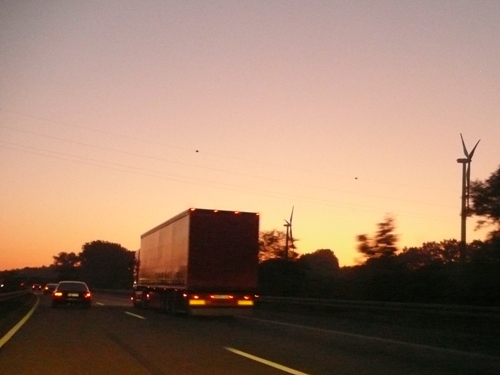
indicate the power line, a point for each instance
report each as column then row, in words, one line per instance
column 280, row 166
column 329, row 189
column 206, row 183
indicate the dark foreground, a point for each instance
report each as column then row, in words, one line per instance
column 114, row 338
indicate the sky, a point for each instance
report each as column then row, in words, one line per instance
column 117, row 115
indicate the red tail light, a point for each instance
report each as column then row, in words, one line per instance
column 87, row 295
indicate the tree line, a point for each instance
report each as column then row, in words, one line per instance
column 436, row 272
column 101, row 264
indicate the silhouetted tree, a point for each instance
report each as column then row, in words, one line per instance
column 485, row 201
column 320, row 270
column 106, row 265
column 64, row 259
column 430, row 254
column 451, row 251
column 272, row 246
column 67, row 265
column 321, row 263
column 415, row 258
column 382, row 245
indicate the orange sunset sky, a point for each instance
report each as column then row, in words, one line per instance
column 117, row 115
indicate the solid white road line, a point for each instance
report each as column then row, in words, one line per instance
column 11, row 333
column 134, row 315
column 266, row 362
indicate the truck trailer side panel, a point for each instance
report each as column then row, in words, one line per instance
column 164, row 254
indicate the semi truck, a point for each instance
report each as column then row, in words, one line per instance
column 200, row 262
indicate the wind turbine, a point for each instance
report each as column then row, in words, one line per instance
column 465, row 191
column 289, row 234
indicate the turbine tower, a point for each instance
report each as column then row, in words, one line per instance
column 289, row 234
column 465, row 193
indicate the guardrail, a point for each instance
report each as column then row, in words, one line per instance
column 11, row 295
column 332, row 304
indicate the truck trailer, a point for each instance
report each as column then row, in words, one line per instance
column 200, row 262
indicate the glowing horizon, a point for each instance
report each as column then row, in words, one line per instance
column 115, row 117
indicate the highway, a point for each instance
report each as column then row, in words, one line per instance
column 114, row 338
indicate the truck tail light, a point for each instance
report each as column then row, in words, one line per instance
column 196, row 302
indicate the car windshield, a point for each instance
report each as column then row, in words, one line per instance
column 78, row 287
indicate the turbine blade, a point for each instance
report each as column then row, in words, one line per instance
column 291, row 216
column 472, row 152
column 465, row 148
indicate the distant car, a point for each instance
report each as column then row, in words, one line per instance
column 72, row 292
column 36, row 287
column 49, row 288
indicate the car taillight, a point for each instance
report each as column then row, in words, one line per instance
column 87, row 295
column 57, row 294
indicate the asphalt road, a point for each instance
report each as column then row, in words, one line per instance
column 114, row 338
